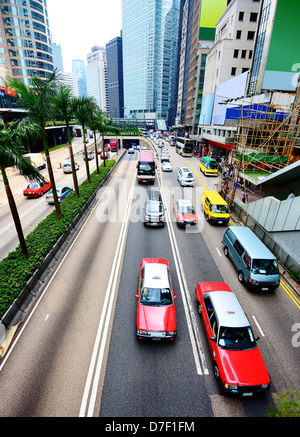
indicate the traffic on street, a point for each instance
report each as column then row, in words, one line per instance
column 145, row 314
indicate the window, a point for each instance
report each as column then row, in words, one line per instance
column 238, row 34
column 236, row 53
column 253, row 16
column 250, row 35
column 238, row 247
column 250, row 54
column 241, row 16
column 233, row 71
column 243, row 54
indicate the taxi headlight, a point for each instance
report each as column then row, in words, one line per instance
column 230, row 386
column 142, row 332
column 170, row 332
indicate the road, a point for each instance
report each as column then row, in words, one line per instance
column 32, row 211
column 76, row 354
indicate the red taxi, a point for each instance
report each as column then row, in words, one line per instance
column 238, row 365
column 184, row 212
column 156, row 317
column 36, row 189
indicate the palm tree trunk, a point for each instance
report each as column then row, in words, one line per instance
column 74, row 174
column 104, row 161
column 51, row 177
column 14, row 213
column 96, row 152
column 85, row 154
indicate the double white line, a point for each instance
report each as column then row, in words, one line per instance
column 188, row 308
column 92, row 382
column 22, row 215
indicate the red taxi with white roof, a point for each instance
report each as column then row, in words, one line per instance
column 156, row 317
column 238, row 364
column 184, row 212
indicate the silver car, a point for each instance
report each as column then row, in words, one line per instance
column 166, row 166
column 62, row 192
column 185, row 176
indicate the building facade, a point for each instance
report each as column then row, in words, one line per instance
column 96, row 76
column 232, row 51
column 115, row 88
column 150, row 30
column 25, row 41
column 78, row 69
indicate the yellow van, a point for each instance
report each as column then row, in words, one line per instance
column 214, row 207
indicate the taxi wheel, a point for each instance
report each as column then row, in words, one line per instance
column 199, row 308
column 216, row 372
column 42, row 193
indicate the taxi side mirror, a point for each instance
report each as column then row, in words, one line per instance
column 175, row 297
column 213, row 339
column 136, row 296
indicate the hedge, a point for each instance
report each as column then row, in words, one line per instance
column 15, row 269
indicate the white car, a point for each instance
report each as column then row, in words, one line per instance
column 68, row 168
column 185, row 177
column 130, row 150
column 166, row 166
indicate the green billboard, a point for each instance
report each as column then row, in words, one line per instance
column 211, row 11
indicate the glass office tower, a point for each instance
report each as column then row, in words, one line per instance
column 25, row 42
column 150, row 30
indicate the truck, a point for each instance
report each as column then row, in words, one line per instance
column 36, row 159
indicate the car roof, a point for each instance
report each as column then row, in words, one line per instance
column 184, row 202
column 228, row 309
column 185, row 169
column 215, row 197
column 251, row 243
column 156, row 275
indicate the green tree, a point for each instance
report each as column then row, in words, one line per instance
column 64, row 108
column 12, row 139
column 84, row 108
column 38, row 100
column 105, row 126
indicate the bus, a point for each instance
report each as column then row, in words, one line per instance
column 146, row 167
column 113, row 144
column 184, row 146
column 208, row 166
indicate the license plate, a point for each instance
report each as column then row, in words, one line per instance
column 220, row 221
column 265, row 289
column 247, row 394
column 29, row 192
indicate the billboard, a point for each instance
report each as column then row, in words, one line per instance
column 283, row 62
column 211, row 11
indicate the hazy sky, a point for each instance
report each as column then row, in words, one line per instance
column 78, row 25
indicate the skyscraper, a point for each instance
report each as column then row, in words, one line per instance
column 150, row 30
column 25, row 44
column 115, row 87
column 78, row 69
column 96, row 76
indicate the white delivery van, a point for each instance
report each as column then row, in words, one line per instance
column 36, row 159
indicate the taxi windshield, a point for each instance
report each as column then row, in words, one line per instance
column 33, row 185
column 186, row 209
column 236, row 338
column 156, row 296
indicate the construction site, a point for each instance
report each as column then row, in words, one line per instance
column 267, row 134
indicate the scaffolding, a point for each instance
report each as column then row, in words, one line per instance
column 267, row 131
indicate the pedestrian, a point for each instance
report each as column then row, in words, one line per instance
column 244, row 196
column 291, row 195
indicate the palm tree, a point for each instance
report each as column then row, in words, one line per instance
column 11, row 155
column 64, row 110
column 105, row 126
column 38, row 100
column 92, row 125
column 84, row 108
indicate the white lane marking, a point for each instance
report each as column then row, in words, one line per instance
column 21, row 216
column 189, row 312
column 218, row 251
column 92, row 382
column 258, row 326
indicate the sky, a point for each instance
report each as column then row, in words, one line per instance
column 79, row 28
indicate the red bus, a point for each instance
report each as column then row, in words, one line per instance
column 146, row 167
column 113, row 144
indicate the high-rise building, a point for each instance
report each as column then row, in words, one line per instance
column 115, row 89
column 150, row 30
column 78, row 69
column 96, row 76
column 57, row 57
column 25, row 42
